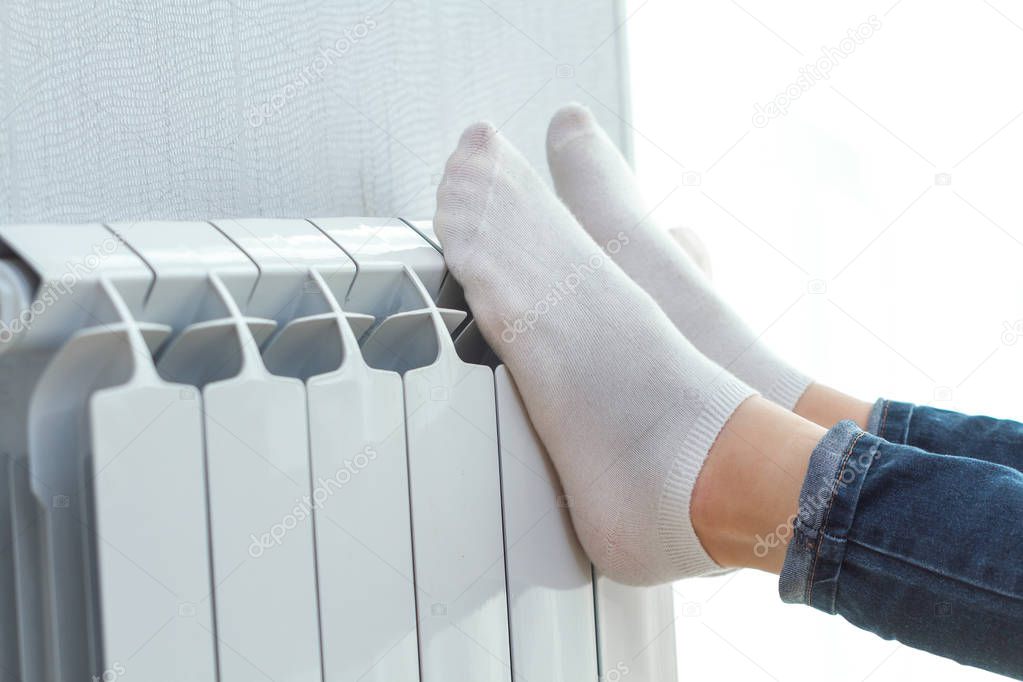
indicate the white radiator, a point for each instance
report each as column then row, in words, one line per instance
column 249, row 450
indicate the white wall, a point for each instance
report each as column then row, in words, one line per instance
column 167, row 109
column 919, row 279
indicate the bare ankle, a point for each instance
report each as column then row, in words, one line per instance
column 747, row 494
column 826, row 406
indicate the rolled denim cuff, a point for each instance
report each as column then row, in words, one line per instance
column 890, row 420
column 827, row 506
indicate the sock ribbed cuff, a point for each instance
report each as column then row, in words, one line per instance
column 788, row 388
column 682, row 549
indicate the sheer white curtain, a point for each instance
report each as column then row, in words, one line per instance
column 131, row 109
column 872, row 231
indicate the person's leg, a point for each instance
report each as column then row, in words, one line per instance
column 827, row 406
column 627, row 408
column 748, row 491
column 914, row 546
column 942, row 431
column 674, row 469
column 910, row 545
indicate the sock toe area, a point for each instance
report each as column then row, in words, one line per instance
column 465, row 190
column 475, row 155
column 478, row 136
column 568, row 123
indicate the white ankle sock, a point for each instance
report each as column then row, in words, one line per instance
column 627, row 407
column 598, row 186
column 694, row 248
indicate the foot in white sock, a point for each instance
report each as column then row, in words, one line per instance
column 598, row 186
column 627, row 407
column 693, row 246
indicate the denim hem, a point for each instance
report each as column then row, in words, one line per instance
column 876, row 415
column 827, row 504
column 890, row 420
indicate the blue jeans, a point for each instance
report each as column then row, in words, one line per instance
column 914, row 531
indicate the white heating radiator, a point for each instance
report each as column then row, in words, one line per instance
column 248, row 450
